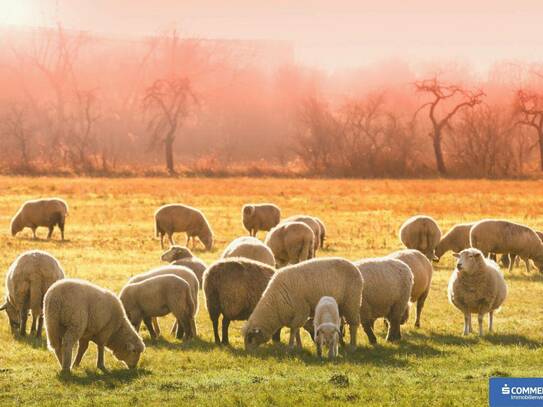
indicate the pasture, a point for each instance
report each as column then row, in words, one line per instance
column 110, row 237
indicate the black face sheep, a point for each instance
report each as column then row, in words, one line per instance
column 27, row 281
column 387, row 288
column 76, row 310
column 504, row 237
column 256, row 217
column 170, row 219
column 422, row 271
column 180, row 271
column 477, row 287
column 313, row 224
column 291, row 243
column 40, row 212
column 456, row 239
column 421, row 233
column 327, row 325
column 159, row 296
column 294, row 292
column 249, row 248
column 182, row 256
column 232, row 288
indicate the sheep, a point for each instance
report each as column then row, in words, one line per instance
column 326, row 324
column 506, row 259
column 182, row 218
column 322, row 232
column 476, row 286
column 48, row 212
column 27, row 281
column 180, row 271
column 182, row 256
column 456, row 239
column 422, row 271
column 233, row 287
column 421, row 233
column 505, row 237
column 294, row 292
column 387, row 289
column 291, row 242
column 78, row 311
column 312, row 223
column 256, row 217
column 250, row 248
column 158, row 296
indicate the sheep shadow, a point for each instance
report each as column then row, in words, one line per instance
column 196, row 344
column 110, row 379
column 32, row 340
column 40, row 240
column 473, row 339
column 523, row 276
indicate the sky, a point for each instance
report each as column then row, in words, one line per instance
column 327, row 34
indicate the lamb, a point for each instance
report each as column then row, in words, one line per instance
column 250, row 248
column 180, row 271
column 312, row 223
column 504, row 237
column 182, row 256
column 387, row 289
column 233, row 287
column 76, row 310
column 421, row 233
column 294, row 292
column 170, row 219
column 256, row 217
column 291, row 242
column 327, row 323
column 456, row 239
column 422, row 271
column 48, row 212
column 27, row 281
column 158, row 296
column 476, row 286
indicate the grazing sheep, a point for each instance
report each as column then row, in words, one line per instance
column 387, row 289
column 327, row 325
column 76, row 310
column 294, row 292
column 159, row 296
column 506, row 259
column 170, row 219
column 291, row 242
column 256, row 217
column 422, row 271
column 28, row 279
column 233, row 287
column 249, row 248
column 312, row 223
column 505, row 237
column 456, row 239
column 421, row 233
column 477, row 287
column 182, row 256
column 180, row 271
column 40, row 212
column 322, row 232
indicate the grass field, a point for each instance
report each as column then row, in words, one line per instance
column 110, row 237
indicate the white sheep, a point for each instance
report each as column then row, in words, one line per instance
column 456, row 239
column 476, row 286
column 327, row 324
column 291, row 243
column 249, row 248
column 27, row 281
column 313, row 224
column 48, row 212
column 256, row 217
column 78, row 311
column 421, row 233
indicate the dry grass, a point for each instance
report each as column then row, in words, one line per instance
column 110, row 237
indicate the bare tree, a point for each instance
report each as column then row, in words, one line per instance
column 441, row 93
column 16, row 127
column 529, row 109
column 168, row 102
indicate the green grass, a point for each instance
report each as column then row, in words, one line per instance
column 110, row 237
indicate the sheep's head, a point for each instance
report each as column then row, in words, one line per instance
column 207, row 240
column 13, row 316
column 176, row 253
column 470, row 261
column 253, row 337
column 538, row 261
column 248, row 211
column 16, row 226
column 127, row 346
column 327, row 334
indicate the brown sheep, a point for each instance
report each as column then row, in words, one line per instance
column 40, row 212
column 182, row 256
column 256, row 217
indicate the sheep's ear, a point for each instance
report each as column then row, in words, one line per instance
column 457, row 255
column 3, row 306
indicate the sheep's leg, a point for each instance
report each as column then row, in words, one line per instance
column 332, row 350
column 34, row 236
column 186, row 328
column 319, row 348
column 511, row 263
column 34, row 322
column 173, row 331
column 67, row 346
column 291, row 339
column 394, row 333
column 149, row 324
column 188, row 240
column 298, row 339
column 527, row 262
column 170, row 238
column 61, row 227
column 368, row 329
column 490, row 321
column 277, row 336
column 180, row 330
column 82, row 348
column 193, row 330
column 420, row 306
column 58, row 354
column 40, row 326
column 23, row 317
column 225, row 325
column 100, row 359
column 353, row 329
column 480, row 318
column 467, row 323
column 156, row 326
column 50, row 233
column 162, row 240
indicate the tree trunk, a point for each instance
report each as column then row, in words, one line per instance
column 439, row 153
column 540, row 134
column 168, row 149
